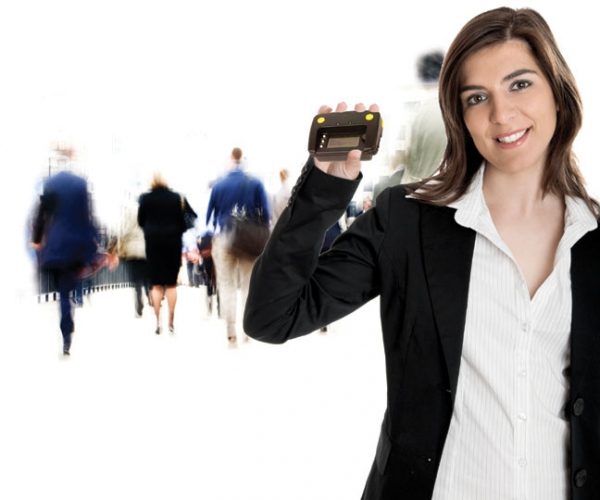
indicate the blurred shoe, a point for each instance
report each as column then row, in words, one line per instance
column 232, row 342
column 172, row 329
column 67, row 346
column 157, row 331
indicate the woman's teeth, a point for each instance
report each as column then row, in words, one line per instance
column 511, row 138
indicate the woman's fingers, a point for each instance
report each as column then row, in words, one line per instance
column 341, row 107
column 350, row 168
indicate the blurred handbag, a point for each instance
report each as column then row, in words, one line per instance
column 249, row 233
column 188, row 214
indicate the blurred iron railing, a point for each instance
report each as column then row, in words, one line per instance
column 105, row 279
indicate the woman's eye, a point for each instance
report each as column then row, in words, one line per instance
column 521, row 85
column 475, row 99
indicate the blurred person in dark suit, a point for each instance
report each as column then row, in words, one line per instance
column 160, row 215
column 65, row 238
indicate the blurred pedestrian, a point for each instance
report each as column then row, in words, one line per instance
column 132, row 250
column 281, row 196
column 427, row 137
column 337, row 228
column 191, row 256
column 393, row 178
column 160, row 215
column 367, row 203
column 208, row 274
column 237, row 192
column 66, row 239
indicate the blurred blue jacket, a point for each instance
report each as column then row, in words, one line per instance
column 63, row 223
column 236, row 188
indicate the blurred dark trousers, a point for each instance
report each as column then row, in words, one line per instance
column 66, row 281
column 138, row 273
column 193, row 278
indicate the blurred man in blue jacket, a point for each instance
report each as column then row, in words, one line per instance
column 237, row 191
column 65, row 238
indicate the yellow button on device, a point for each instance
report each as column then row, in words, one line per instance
column 369, row 117
column 321, row 119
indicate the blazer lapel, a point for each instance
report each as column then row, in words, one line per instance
column 447, row 256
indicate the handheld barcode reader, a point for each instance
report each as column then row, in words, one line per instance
column 333, row 135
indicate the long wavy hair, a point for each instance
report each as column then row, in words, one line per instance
column 461, row 159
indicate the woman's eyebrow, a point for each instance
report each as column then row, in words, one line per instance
column 507, row 78
column 517, row 73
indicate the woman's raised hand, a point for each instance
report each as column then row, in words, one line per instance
column 350, row 168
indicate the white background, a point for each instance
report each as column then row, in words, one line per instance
column 176, row 84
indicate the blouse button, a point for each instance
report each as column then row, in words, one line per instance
column 578, row 407
column 580, row 478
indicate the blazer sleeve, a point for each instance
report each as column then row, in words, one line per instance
column 295, row 290
column 44, row 210
column 39, row 223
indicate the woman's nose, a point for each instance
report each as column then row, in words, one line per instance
column 502, row 110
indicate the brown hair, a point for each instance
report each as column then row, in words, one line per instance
column 461, row 159
column 236, row 153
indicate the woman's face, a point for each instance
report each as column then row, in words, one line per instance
column 508, row 107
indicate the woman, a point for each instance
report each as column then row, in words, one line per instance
column 487, row 278
column 160, row 215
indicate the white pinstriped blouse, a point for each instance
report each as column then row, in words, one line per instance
column 507, row 438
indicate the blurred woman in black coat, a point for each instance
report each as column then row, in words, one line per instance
column 160, row 216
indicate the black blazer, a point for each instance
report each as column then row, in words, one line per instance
column 160, row 213
column 418, row 260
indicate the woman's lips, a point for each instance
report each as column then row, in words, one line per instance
column 513, row 139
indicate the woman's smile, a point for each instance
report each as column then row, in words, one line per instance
column 512, row 139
